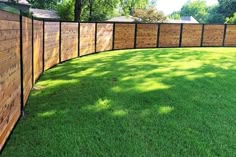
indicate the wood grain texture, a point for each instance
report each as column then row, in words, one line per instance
column 9, row 74
column 7, row 16
column 169, row 35
column 69, row 40
column 10, row 88
column 146, row 35
column 124, row 36
column 104, row 37
column 38, row 49
column 213, row 35
column 191, row 35
column 51, row 54
column 27, row 56
column 230, row 38
column 87, row 38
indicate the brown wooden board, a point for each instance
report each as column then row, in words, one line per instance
column 27, row 56
column 191, row 35
column 10, row 105
column 230, row 37
column 51, row 53
column 213, row 35
column 124, row 36
column 7, row 16
column 87, row 38
column 69, row 40
column 104, row 36
column 38, row 49
column 169, row 35
column 146, row 35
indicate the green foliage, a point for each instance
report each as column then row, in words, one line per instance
column 198, row 9
column 149, row 15
column 214, row 16
column 227, row 7
column 44, row 4
column 129, row 6
column 175, row 15
column 231, row 20
column 93, row 10
column 153, row 102
column 66, row 10
column 98, row 10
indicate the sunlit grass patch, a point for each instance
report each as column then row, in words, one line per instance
column 149, row 102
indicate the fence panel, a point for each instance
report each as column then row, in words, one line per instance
column 213, row 35
column 230, row 38
column 38, row 49
column 87, row 38
column 69, row 40
column 169, row 35
column 10, row 105
column 51, row 42
column 124, row 36
column 146, row 35
column 104, row 37
column 27, row 56
column 191, row 35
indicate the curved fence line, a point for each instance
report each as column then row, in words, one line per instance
column 28, row 47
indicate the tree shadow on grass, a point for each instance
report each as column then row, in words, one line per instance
column 155, row 102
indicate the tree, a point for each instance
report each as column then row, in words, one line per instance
column 149, row 15
column 175, row 15
column 65, row 10
column 77, row 10
column 231, row 20
column 198, row 9
column 227, row 7
column 128, row 6
column 44, row 4
column 214, row 16
column 98, row 10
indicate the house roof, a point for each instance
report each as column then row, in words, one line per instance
column 184, row 19
column 44, row 14
column 122, row 19
column 22, row 2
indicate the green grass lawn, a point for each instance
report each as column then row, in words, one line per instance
column 153, row 102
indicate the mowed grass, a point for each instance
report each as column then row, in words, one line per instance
column 153, row 102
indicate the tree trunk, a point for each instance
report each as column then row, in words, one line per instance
column 90, row 10
column 77, row 10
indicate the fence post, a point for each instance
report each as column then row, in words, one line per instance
column 224, row 36
column 113, row 36
column 21, row 65
column 135, row 35
column 95, row 45
column 32, row 51
column 60, row 42
column 180, row 36
column 158, row 35
column 202, row 36
column 78, row 39
column 43, row 43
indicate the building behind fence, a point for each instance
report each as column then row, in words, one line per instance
column 28, row 47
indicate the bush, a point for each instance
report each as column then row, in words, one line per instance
column 66, row 10
column 231, row 20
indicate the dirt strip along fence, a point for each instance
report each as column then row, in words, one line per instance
column 28, row 47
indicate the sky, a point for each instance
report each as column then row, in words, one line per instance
column 168, row 6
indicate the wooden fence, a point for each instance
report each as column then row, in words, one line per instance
column 28, row 47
